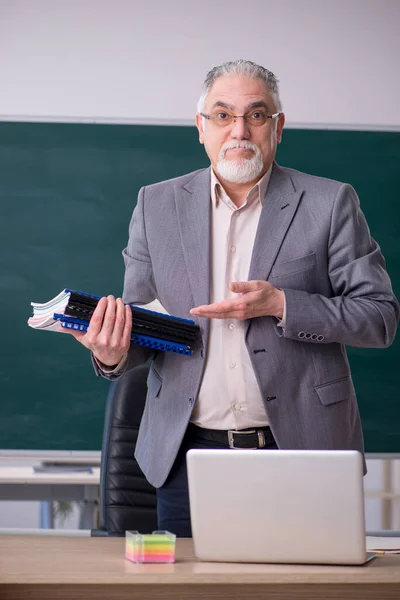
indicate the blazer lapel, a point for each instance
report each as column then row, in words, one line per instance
column 193, row 211
column 278, row 210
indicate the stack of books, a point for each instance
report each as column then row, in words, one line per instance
column 73, row 310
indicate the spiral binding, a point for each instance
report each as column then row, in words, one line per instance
column 140, row 340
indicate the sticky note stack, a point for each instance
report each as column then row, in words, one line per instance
column 156, row 547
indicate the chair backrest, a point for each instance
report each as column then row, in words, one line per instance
column 127, row 500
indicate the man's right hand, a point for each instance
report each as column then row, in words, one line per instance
column 109, row 332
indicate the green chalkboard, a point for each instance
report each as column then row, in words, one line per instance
column 67, row 192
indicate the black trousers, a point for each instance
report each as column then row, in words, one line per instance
column 173, row 497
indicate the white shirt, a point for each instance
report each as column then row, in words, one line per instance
column 229, row 396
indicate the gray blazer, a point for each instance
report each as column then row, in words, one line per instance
column 314, row 243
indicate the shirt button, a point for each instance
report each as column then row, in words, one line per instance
column 231, row 325
column 233, row 248
column 232, row 365
column 237, row 407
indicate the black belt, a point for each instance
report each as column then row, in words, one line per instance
column 255, row 438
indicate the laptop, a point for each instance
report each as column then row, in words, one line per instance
column 278, row 506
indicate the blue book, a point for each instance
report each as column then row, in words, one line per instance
column 73, row 310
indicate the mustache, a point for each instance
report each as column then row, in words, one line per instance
column 237, row 144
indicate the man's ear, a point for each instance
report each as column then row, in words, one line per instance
column 199, row 125
column 279, row 129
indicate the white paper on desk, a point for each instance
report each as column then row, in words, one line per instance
column 392, row 544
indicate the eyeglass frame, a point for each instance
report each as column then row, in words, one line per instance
column 245, row 117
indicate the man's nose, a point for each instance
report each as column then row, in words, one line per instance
column 240, row 129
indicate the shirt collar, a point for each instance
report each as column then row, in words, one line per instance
column 260, row 187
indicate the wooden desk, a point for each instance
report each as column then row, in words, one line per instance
column 85, row 568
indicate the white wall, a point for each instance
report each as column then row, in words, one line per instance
column 337, row 60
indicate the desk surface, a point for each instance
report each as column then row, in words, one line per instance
column 78, row 568
column 53, row 456
column 20, row 475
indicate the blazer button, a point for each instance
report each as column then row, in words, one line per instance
column 308, row 335
column 320, row 338
column 191, row 401
column 314, row 336
column 301, row 334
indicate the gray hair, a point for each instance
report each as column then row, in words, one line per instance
column 240, row 67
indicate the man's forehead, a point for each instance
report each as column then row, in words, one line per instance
column 235, row 90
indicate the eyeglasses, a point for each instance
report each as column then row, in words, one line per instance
column 255, row 118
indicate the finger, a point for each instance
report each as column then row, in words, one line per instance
column 240, row 287
column 219, row 307
column 119, row 323
column 236, row 315
column 240, row 311
column 96, row 321
column 126, row 334
column 109, row 319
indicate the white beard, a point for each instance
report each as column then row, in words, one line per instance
column 244, row 169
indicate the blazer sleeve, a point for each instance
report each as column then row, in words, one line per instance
column 139, row 285
column 363, row 310
column 137, row 355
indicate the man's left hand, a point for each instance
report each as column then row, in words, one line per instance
column 255, row 299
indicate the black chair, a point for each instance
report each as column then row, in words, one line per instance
column 127, row 500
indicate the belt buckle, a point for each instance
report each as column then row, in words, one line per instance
column 261, row 438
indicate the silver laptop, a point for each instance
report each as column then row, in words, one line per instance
column 278, row 506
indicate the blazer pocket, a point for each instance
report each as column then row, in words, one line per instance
column 336, row 391
column 154, row 383
column 295, row 265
